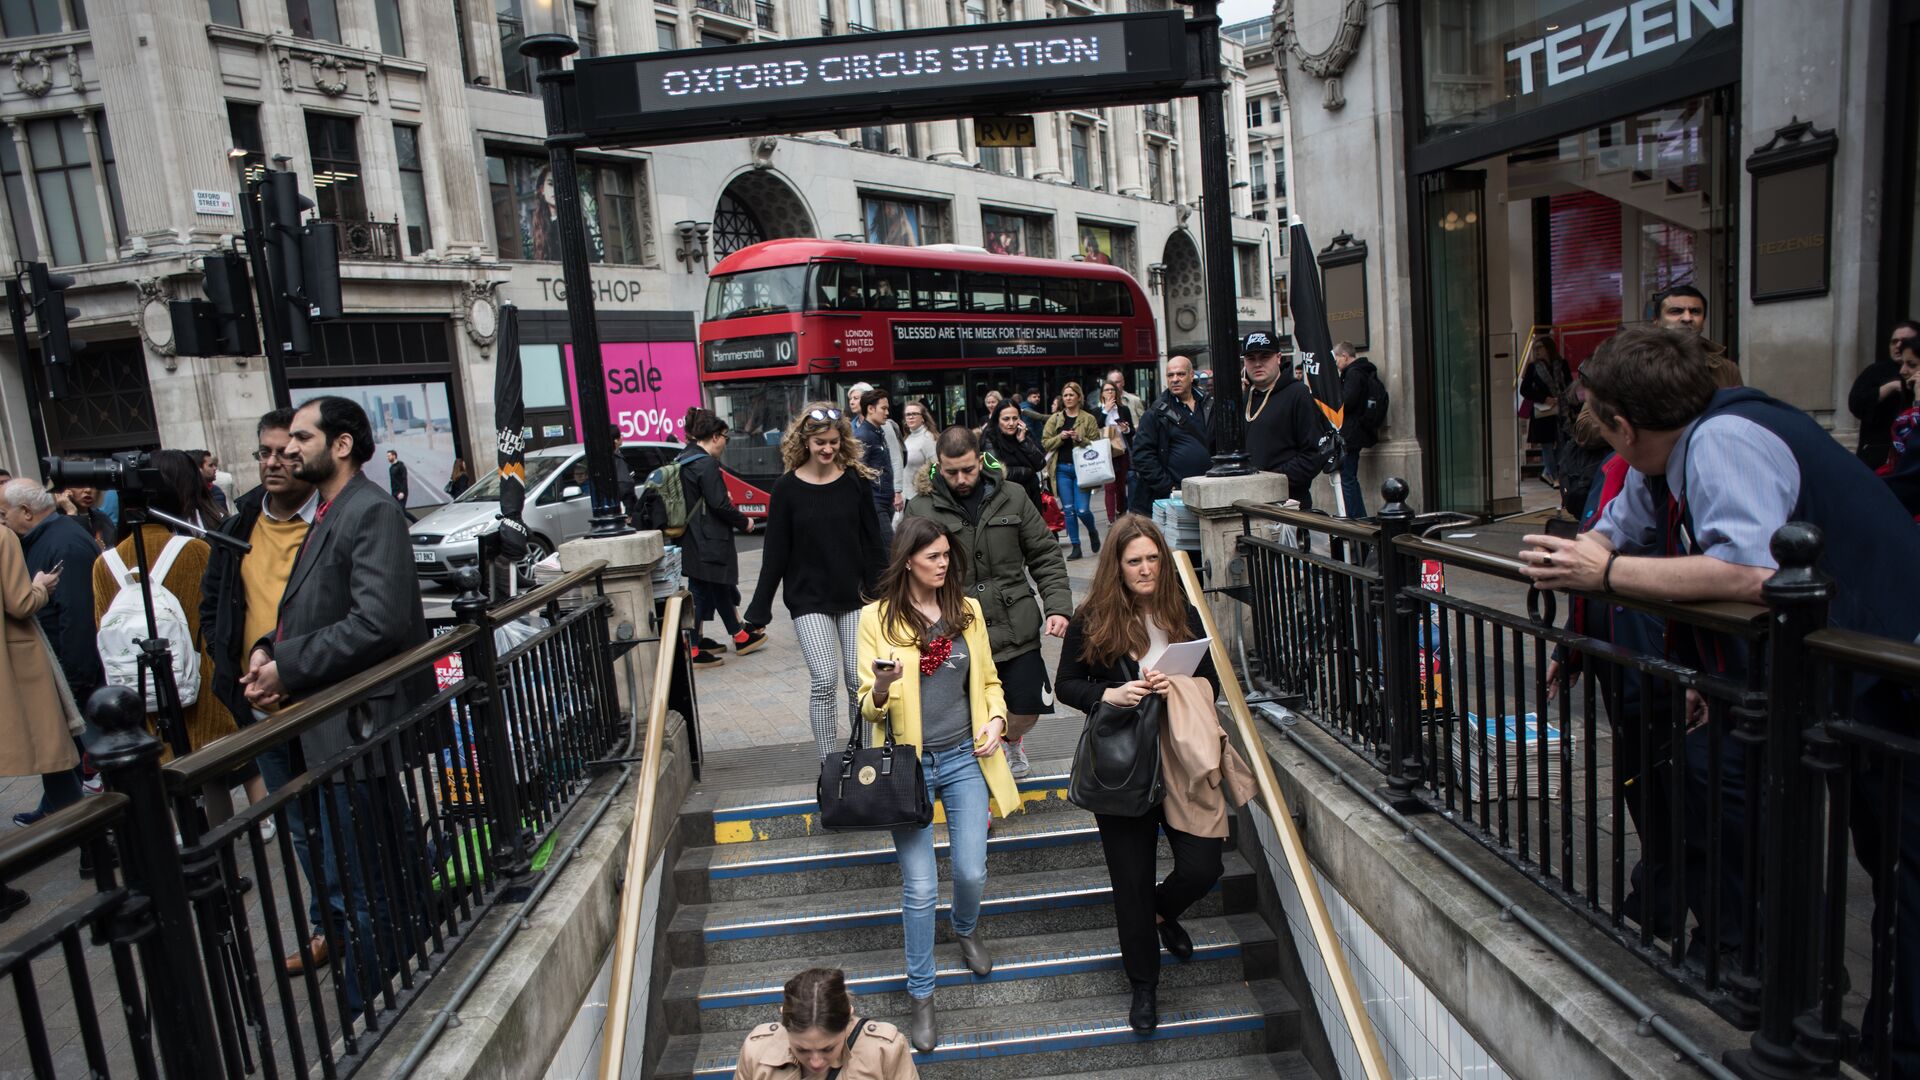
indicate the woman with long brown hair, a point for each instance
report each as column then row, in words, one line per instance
column 926, row 670
column 818, row 1036
column 823, row 552
column 1133, row 610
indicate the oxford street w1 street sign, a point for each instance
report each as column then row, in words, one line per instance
column 950, row 72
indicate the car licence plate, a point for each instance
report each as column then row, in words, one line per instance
column 424, row 557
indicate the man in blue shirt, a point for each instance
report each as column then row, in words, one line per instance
column 870, row 427
column 1714, row 474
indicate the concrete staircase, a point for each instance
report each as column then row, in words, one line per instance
column 765, row 893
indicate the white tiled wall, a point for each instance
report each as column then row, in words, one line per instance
column 1419, row 1035
column 579, row 1053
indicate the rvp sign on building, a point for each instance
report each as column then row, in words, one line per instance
column 774, row 87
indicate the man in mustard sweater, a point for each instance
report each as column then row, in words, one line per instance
column 239, row 604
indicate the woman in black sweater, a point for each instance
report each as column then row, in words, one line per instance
column 1016, row 448
column 1133, row 609
column 824, row 501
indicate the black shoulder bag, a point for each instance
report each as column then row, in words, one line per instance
column 1116, row 769
column 881, row 787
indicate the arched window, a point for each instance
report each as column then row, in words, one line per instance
column 735, row 226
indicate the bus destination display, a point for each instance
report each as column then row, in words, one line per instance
column 996, row 341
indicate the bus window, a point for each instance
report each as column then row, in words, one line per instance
column 1103, row 298
column 756, row 292
column 984, row 292
column 936, row 290
column 1023, row 296
column 887, row 287
column 838, row 287
column 1061, row 296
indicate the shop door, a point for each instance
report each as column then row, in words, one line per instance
column 1457, row 282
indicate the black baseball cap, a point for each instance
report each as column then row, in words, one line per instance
column 1259, row 341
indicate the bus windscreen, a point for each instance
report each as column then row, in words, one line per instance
column 778, row 291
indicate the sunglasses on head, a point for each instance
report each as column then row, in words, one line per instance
column 824, row 416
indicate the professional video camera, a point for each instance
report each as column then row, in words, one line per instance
column 130, row 472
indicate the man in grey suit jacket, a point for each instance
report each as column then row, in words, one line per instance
column 351, row 602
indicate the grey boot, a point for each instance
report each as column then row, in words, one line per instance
column 926, row 1030
column 974, row 952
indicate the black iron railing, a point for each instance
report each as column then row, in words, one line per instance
column 1684, row 776
column 384, row 855
column 732, row 9
column 1159, row 121
column 370, row 240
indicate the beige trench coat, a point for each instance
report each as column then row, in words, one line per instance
column 1200, row 768
column 880, row 1053
column 33, row 722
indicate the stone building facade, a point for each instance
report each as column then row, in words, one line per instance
column 414, row 125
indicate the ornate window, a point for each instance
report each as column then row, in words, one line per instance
column 735, row 226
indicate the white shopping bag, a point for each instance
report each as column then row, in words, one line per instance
column 1093, row 465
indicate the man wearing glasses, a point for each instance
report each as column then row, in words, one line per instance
column 240, row 603
column 1880, row 394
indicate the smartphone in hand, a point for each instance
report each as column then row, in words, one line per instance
column 1563, row 528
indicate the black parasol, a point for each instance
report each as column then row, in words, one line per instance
column 1311, row 337
column 509, row 410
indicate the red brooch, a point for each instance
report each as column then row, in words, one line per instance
column 934, row 656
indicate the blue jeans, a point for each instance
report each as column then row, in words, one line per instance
column 953, row 777
column 1075, row 502
column 1350, row 484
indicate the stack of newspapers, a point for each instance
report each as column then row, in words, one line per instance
column 667, row 576
column 1506, row 739
column 1181, row 525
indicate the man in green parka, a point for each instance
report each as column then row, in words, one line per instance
column 1002, row 540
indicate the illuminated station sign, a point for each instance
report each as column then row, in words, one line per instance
column 915, row 74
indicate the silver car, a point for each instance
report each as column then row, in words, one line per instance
column 557, row 508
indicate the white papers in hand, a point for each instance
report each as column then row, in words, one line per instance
column 1179, row 658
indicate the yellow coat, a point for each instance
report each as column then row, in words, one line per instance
column 902, row 709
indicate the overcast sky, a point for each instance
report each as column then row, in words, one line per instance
column 1239, row 11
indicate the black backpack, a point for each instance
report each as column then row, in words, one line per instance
column 1376, row 410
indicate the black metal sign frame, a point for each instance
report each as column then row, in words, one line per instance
column 778, row 87
column 691, row 95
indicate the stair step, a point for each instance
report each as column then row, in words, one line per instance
column 859, row 920
column 840, row 861
column 1197, row 1023
column 1247, row 1067
column 777, row 813
column 1072, row 964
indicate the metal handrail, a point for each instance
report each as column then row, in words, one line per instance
column 538, row 598
column 1349, row 528
column 59, row 832
column 1724, row 616
column 1366, row 1042
column 229, row 752
column 634, row 890
column 1868, row 654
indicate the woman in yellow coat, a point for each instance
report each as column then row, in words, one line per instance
column 926, row 669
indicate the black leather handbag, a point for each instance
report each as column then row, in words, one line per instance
column 1116, row 769
column 880, row 787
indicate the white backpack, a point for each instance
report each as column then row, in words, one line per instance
column 124, row 627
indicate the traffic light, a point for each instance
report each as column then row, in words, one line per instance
column 303, row 261
column 48, row 293
column 222, row 324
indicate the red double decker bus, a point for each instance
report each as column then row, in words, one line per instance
column 792, row 321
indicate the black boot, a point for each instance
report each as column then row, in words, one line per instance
column 1177, row 940
column 1145, row 1013
column 1093, row 535
column 1074, row 554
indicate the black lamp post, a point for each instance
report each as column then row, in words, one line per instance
column 1216, row 227
column 589, row 373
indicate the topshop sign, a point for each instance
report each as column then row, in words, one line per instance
column 1574, row 51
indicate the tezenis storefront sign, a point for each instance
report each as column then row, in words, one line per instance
column 1622, row 41
column 949, row 71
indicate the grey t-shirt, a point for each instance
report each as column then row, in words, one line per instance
column 946, row 720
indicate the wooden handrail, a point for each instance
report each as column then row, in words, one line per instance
column 1366, row 1042
column 627, row 933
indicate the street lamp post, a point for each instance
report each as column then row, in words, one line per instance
column 589, row 372
column 1216, row 220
